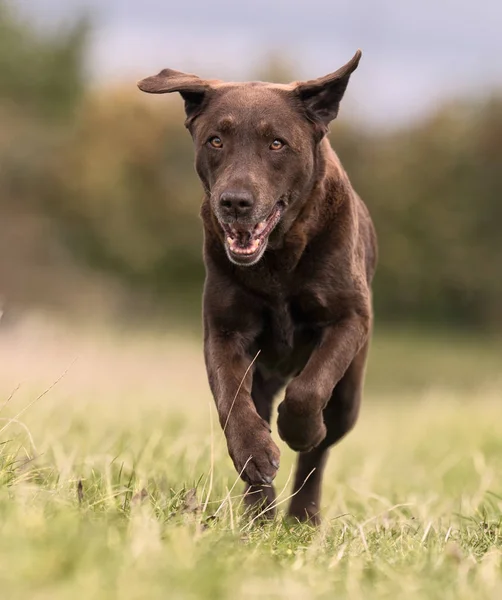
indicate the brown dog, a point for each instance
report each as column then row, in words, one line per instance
column 290, row 253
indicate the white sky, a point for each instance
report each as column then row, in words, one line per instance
column 414, row 52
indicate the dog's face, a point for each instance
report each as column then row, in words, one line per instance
column 256, row 146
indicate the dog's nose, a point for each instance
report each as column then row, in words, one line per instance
column 236, row 203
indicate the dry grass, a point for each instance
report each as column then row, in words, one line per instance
column 107, row 488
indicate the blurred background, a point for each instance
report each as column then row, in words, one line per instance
column 99, row 201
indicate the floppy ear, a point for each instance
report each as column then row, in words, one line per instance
column 322, row 96
column 193, row 89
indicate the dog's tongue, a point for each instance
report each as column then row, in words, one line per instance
column 243, row 238
column 242, row 241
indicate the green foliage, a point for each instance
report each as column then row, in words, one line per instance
column 434, row 190
column 40, row 75
column 41, row 85
column 125, row 195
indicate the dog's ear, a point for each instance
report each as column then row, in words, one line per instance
column 321, row 97
column 193, row 89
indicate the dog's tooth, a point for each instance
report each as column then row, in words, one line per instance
column 260, row 227
column 229, row 240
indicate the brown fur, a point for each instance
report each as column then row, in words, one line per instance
column 300, row 306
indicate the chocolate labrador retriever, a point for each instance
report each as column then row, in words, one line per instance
column 290, row 252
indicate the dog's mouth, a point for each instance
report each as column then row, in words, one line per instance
column 244, row 245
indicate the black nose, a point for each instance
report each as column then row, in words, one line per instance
column 236, row 204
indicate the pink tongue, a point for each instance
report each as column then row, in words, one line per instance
column 243, row 238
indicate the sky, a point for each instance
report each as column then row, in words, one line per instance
column 415, row 53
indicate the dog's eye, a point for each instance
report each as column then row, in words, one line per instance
column 276, row 145
column 215, row 142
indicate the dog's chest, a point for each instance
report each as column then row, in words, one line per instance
column 289, row 333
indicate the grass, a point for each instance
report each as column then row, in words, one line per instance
column 116, row 483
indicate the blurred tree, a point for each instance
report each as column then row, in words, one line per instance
column 125, row 193
column 433, row 190
column 41, row 75
column 41, row 84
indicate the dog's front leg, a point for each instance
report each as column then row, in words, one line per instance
column 250, row 445
column 300, row 419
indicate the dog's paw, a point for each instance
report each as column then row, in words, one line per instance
column 253, row 452
column 301, row 430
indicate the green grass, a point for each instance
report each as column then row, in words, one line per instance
column 116, row 482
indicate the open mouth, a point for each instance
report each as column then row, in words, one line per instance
column 245, row 246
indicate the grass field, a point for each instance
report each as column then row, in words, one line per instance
column 115, row 482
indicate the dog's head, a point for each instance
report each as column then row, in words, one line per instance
column 256, row 146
